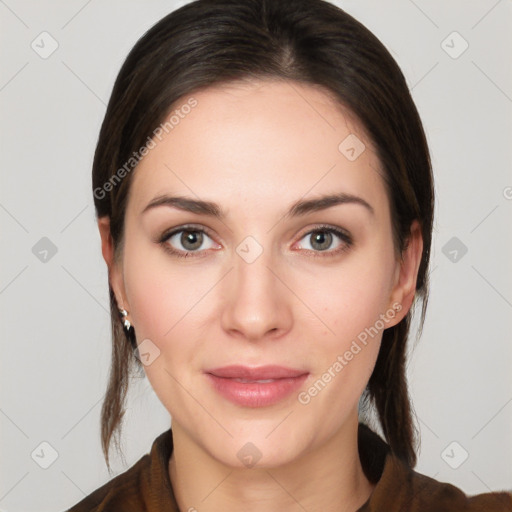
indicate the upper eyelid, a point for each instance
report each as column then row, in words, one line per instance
column 336, row 230
column 188, row 227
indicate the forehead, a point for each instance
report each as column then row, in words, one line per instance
column 259, row 141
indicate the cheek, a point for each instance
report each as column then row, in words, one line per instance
column 345, row 353
column 351, row 297
column 352, row 301
column 170, row 306
column 164, row 303
column 159, row 292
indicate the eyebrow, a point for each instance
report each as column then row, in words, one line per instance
column 299, row 208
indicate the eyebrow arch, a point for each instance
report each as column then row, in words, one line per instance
column 299, row 208
column 323, row 202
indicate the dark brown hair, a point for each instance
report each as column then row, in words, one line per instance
column 210, row 42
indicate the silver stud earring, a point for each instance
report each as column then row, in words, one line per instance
column 125, row 320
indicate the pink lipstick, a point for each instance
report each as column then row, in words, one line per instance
column 257, row 386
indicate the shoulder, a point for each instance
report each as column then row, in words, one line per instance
column 144, row 487
column 415, row 492
column 430, row 494
column 399, row 488
column 121, row 493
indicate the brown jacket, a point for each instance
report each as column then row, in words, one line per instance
column 146, row 487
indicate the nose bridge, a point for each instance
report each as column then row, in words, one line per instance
column 255, row 304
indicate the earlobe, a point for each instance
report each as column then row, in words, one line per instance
column 404, row 290
column 114, row 270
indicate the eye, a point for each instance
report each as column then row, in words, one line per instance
column 326, row 239
column 186, row 240
column 189, row 241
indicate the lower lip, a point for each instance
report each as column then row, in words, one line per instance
column 256, row 394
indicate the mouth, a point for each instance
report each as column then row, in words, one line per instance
column 256, row 387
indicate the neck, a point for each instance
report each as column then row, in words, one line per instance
column 329, row 478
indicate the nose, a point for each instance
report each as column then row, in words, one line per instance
column 257, row 303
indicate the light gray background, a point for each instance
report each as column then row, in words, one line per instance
column 55, row 324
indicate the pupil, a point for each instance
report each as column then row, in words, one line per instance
column 191, row 239
column 323, row 239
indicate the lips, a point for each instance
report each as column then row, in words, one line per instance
column 270, row 372
column 255, row 387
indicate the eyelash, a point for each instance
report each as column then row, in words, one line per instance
column 342, row 235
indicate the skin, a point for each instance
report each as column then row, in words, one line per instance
column 255, row 148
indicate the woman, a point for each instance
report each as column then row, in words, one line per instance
column 265, row 198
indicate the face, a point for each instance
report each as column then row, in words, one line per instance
column 271, row 276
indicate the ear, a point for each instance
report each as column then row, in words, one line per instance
column 406, row 275
column 115, row 271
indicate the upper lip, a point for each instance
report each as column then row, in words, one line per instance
column 256, row 373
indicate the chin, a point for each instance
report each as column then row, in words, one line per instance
column 257, row 449
column 250, row 455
